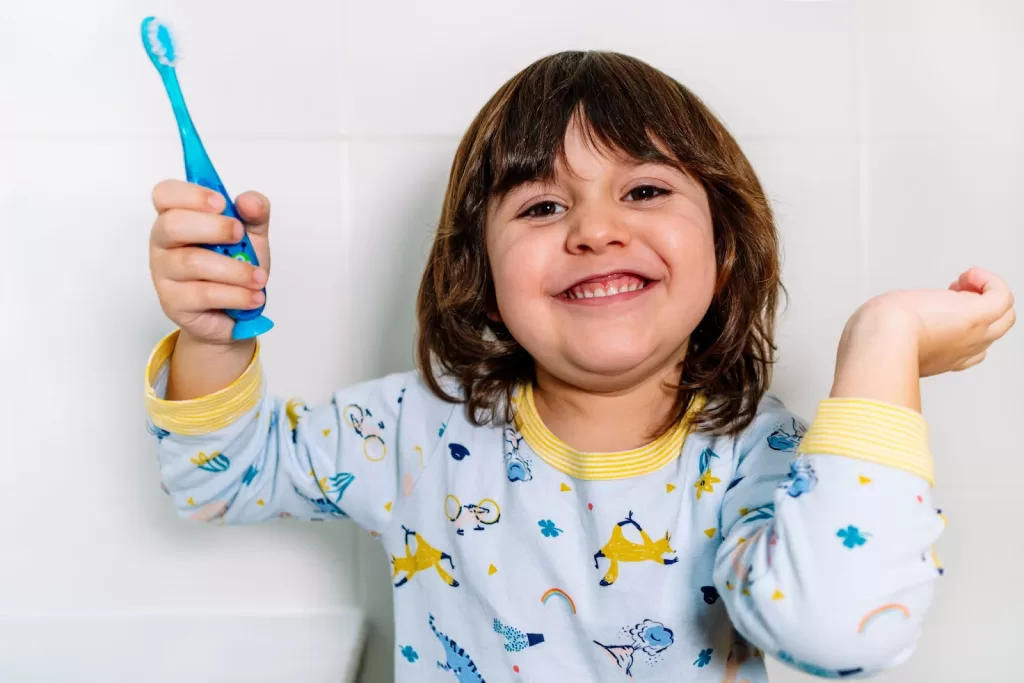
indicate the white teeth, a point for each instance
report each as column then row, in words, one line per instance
column 600, row 292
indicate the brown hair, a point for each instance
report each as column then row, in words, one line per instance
column 625, row 105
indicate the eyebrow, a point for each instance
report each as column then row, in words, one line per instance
column 630, row 162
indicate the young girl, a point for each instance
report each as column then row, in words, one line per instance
column 585, row 480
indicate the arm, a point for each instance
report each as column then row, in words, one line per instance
column 241, row 456
column 827, row 562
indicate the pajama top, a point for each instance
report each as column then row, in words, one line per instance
column 515, row 557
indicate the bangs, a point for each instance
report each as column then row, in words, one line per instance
column 604, row 95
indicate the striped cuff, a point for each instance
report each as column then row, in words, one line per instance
column 874, row 431
column 206, row 414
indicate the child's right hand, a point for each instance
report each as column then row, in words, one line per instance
column 195, row 284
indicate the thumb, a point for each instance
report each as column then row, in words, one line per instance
column 254, row 208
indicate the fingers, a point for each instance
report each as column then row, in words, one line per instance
column 1000, row 327
column 254, row 208
column 972, row 280
column 177, row 194
column 181, row 227
column 994, row 332
column 998, row 297
column 977, row 279
column 969, row 362
column 197, row 263
column 963, row 283
column 196, row 296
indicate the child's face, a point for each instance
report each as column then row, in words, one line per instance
column 603, row 225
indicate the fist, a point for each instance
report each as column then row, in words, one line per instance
column 952, row 328
column 195, row 284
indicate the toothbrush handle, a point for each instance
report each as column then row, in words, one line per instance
column 199, row 170
column 242, row 250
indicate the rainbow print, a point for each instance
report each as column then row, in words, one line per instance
column 884, row 609
column 559, row 592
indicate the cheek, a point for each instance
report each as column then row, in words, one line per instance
column 691, row 256
column 517, row 267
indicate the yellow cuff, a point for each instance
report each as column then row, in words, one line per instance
column 205, row 414
column 874, row 431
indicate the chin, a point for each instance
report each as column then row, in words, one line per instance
column 612, row 360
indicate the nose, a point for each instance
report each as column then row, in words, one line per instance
column 595, row 230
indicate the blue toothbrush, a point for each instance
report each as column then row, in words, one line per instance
column 156, row 38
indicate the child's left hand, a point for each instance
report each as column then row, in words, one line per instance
column 952, row 328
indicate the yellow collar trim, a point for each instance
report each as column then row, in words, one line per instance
column 597, row 466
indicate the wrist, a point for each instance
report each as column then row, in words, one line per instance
column 200, row 368
column 878, row 357
column 877, row 323
column 187, row 340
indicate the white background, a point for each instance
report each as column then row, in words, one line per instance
column 888, row 135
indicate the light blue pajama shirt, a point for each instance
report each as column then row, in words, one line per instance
column 516, row 558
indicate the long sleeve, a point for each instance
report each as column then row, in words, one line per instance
column 241, row 456
column 827, row 561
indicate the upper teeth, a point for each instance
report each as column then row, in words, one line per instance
column 598, row 292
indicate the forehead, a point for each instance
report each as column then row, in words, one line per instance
column 617, row 106
column 581, row 152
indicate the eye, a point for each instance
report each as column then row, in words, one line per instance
column 542, row 210
column 642, row 193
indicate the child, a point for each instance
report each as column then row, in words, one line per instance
column 585, row 480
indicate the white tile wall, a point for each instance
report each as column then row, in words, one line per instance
column 166, row 646
column 886, row 133
column 769, row 68
column 247, row 69
column 395, row 192
column 943, row 68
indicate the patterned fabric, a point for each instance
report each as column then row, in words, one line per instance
column 811, row 544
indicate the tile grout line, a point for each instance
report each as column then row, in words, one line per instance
column 863, row 160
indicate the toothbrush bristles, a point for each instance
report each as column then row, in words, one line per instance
column 157, row 46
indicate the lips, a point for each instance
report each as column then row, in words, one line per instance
column 606, row 285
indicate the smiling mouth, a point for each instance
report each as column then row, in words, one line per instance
column 615, row 285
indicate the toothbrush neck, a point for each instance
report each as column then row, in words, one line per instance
column 198, row 167
column 185, row 126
